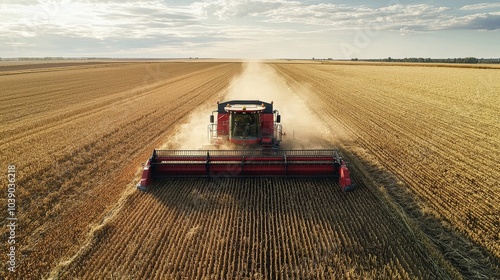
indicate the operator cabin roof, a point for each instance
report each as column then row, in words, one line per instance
column 244, row 108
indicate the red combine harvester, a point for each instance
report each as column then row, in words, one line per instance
column 253, row 129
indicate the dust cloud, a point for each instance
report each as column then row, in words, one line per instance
column 304, row 129
column 193, row 134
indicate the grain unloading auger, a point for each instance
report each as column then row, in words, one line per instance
column 253, row 128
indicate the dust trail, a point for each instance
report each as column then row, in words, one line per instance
column 192, row 134
column 303, row 127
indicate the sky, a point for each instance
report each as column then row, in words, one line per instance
column 251, row 29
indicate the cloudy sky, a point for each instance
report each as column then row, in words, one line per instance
column 250, row 28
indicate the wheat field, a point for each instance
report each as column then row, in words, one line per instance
column 422, row 144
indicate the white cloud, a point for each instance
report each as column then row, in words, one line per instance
column 483, row 21
column 137, row 19
column 211, row 24
column 225, row 9
column 481, row 6
column 395, row 17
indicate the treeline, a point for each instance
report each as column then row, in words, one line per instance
column 470, row 60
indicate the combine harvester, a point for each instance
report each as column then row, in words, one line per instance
column 253, row 129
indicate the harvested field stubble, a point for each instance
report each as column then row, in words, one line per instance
column 255, row 228
column 77, row 138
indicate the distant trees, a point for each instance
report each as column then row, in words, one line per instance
column 469, row 60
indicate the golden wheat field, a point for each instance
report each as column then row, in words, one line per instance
column 422, row 144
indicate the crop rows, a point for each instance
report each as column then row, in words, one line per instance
column 77, row 138
column 436, row 129
column 254, row 228
column 78, row 135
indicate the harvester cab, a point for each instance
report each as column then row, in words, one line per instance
column 244, row 125
column 249, row 124
column 253, row 127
